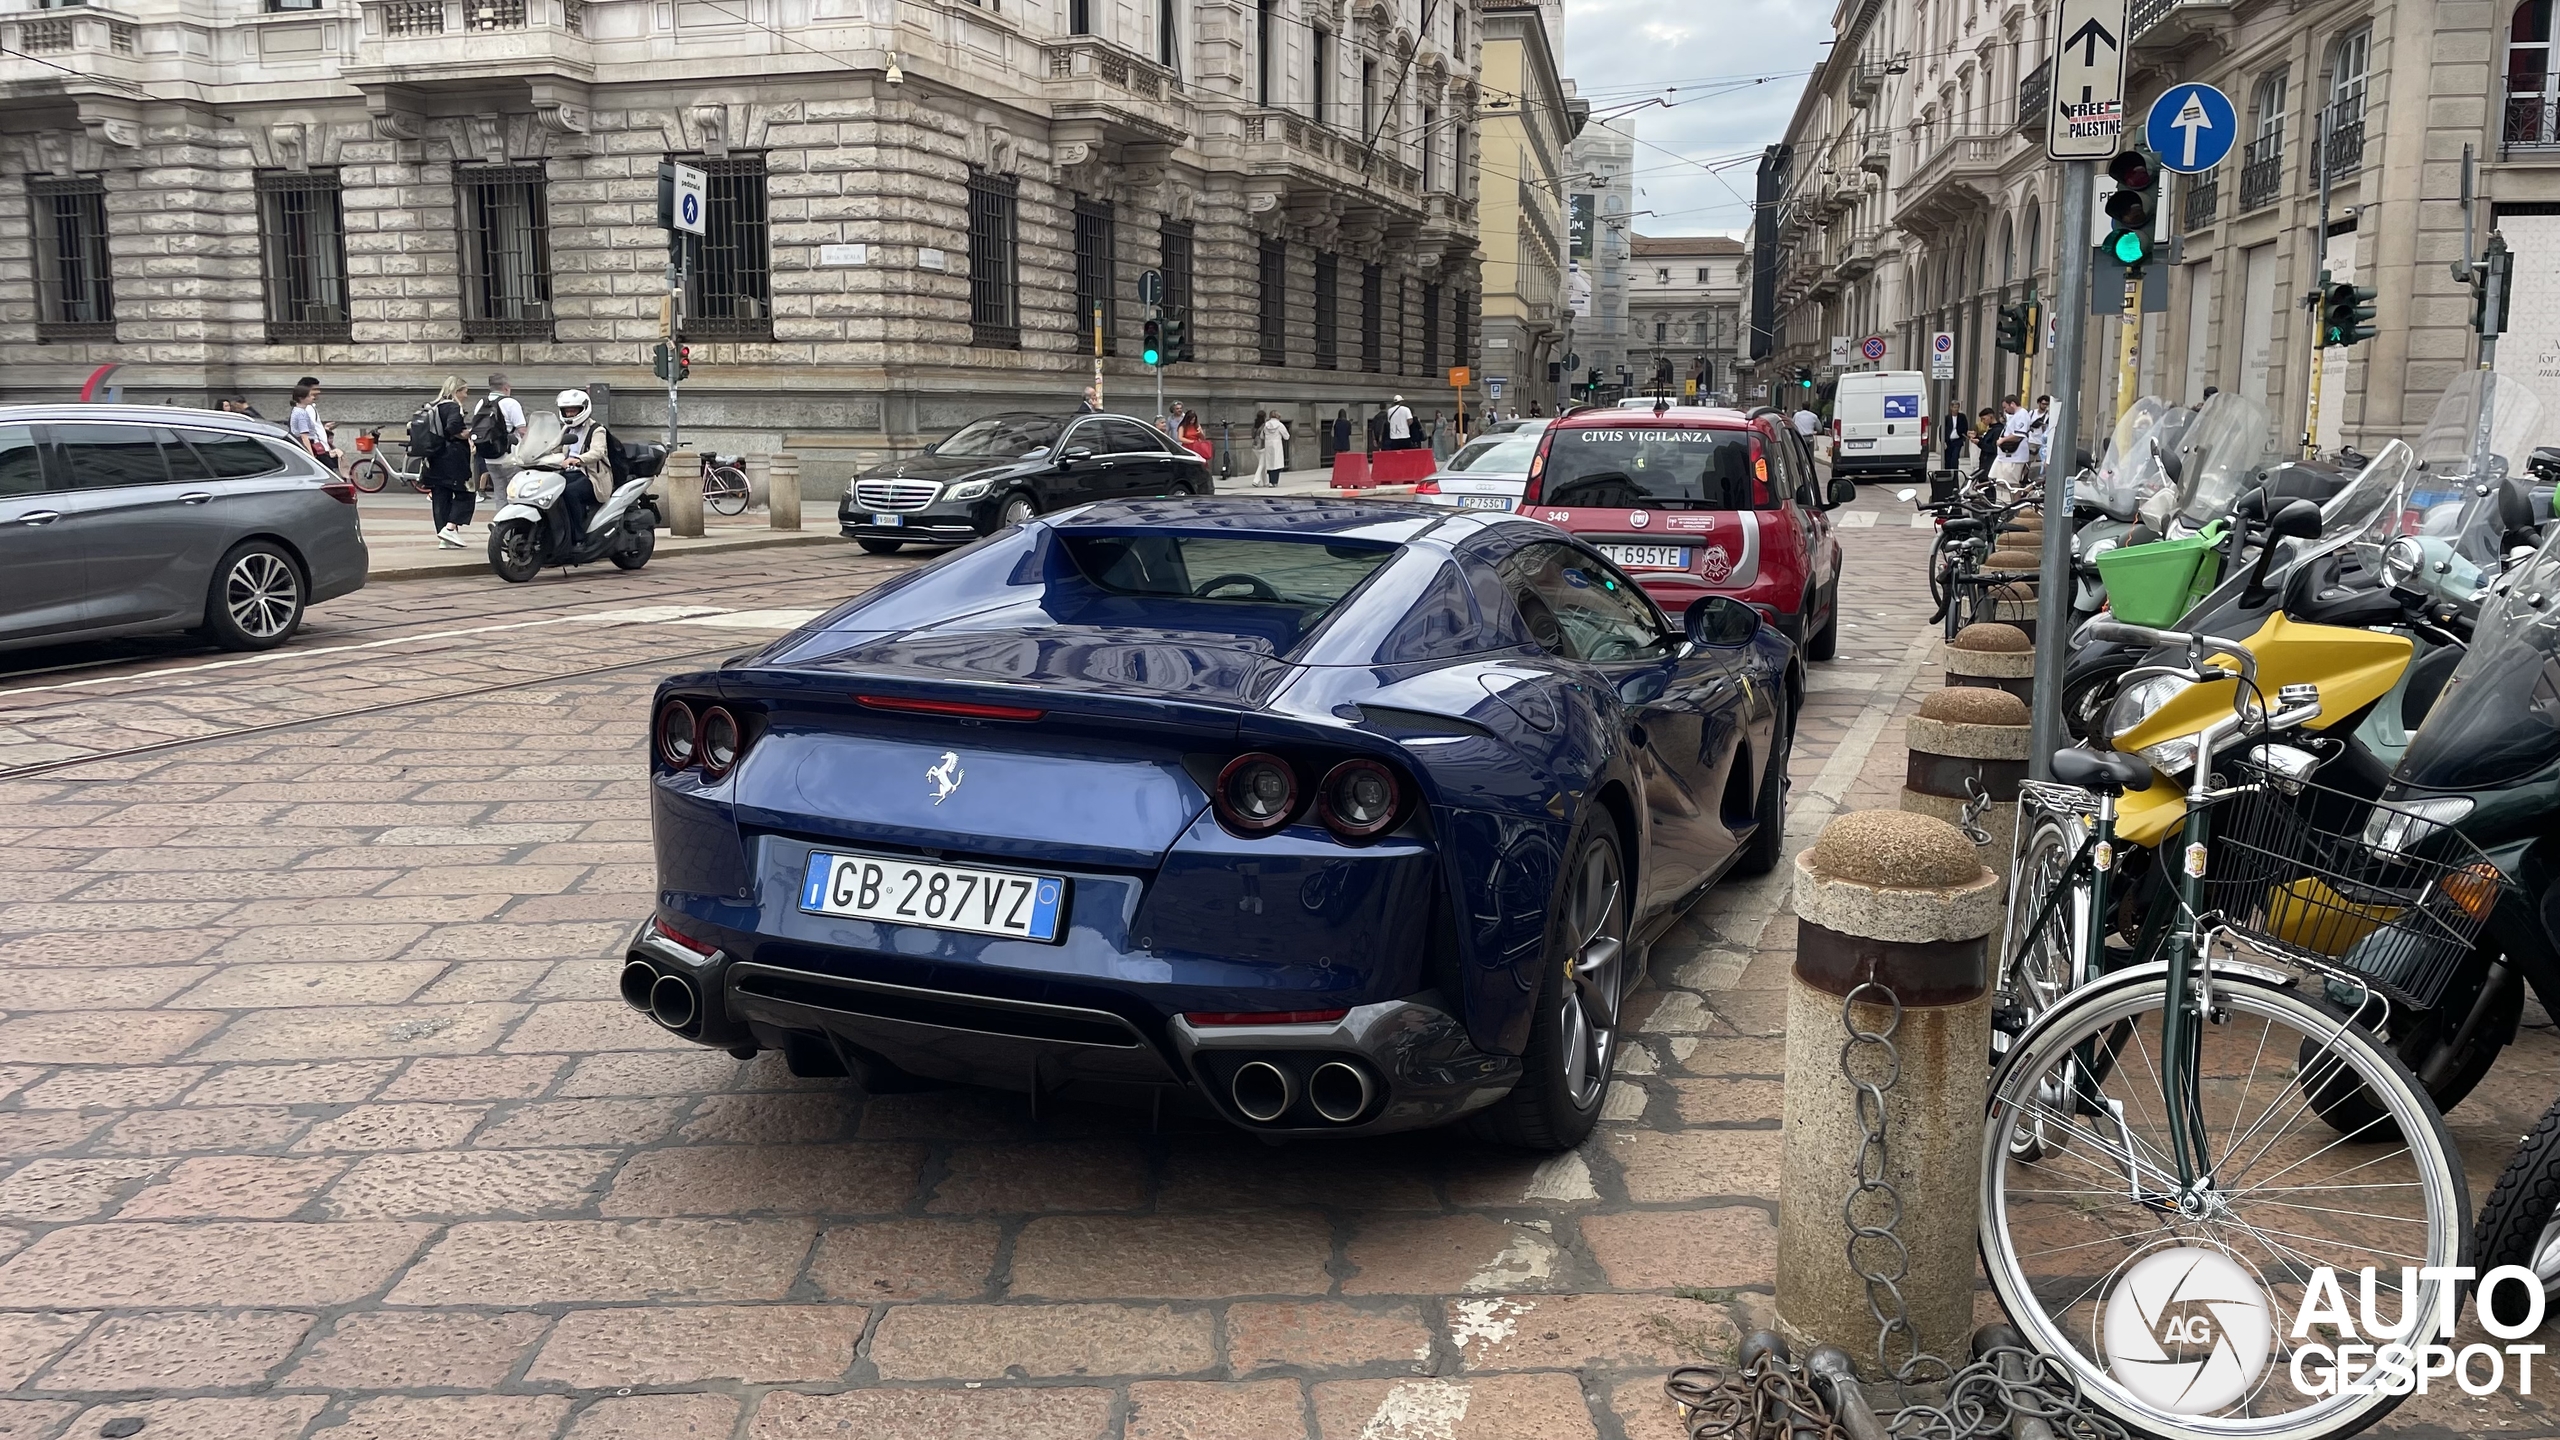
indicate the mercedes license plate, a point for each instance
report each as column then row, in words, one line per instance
column 888, row 519
column 1648, row 557
column 939, row 897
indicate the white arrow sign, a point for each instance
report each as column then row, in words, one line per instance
column 2087, row 122
column 2191, row 118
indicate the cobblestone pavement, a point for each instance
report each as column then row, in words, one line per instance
column 321, row 1117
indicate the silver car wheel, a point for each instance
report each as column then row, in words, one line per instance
column 1596, row 968
column 262, row 594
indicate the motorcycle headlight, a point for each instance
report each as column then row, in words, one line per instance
column 968, row 490
column 2403, row 823
column 2141, row 700
column 2401, row 559
column 523, row 487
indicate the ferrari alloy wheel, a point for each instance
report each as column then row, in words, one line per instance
column 1573, row 1038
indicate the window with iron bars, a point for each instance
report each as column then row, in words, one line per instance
column 1431, row 329
column 1096, row 259
column 1273, row 322
column 302, row 246
column 729, row 285
column 995, row 289
column 506, row 254
column 75, row 293
column 1328, row 312
column 1173, row 245
column 1372, row 318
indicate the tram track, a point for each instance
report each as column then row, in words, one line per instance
column 47, row 767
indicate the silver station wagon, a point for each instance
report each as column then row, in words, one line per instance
column 136, row 519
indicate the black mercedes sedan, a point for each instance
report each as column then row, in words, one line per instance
column 1002, row 470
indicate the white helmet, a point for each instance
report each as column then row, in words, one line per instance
column 572, row 402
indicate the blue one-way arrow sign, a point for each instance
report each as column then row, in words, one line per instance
column 2192, row 128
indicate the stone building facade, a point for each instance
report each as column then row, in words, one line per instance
column 1938, row 111
column 1531, row 116
column 1600, row 197
column 913, row 204
column 1684, row 306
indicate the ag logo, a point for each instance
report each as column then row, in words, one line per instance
column 2188, row 1330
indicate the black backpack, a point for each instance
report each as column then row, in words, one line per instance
column 426, row 436
column 489, row 433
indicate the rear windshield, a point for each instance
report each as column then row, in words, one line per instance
column 1666, row 468
column 1306, row 575
column 1496, row 455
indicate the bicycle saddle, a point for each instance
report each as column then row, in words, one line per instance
column 2105, row 771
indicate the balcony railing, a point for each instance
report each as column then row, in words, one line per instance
column 2533, row 117
column 2261, row 172
column 2342, row 153
column 2035, row 98
column 2201, row 200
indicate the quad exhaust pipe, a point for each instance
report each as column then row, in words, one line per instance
column 666, row 998
column 1340, row 1091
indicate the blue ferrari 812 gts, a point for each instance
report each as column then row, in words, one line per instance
column 1337, row 818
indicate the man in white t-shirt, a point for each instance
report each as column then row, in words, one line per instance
column 1808, row 424
column 2009, row 465
column 1399, row 426
column 510, row 417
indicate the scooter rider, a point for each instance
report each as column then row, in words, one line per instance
column 584, row 453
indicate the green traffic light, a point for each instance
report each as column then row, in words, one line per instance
column 1150, row 357
column 2131, row 248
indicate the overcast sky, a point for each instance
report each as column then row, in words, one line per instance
column 1621, row 51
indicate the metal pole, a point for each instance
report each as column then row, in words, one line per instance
column 2128, row 348
column 675, row 326
column 2319, row 266
column 2070, row 333
column 2493, row 292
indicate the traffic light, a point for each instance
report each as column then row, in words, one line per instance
column 1555, row 372
column 2019, row 327
column 1177, row 336
column 684, row 362
column 2495, row 275
column 1151, row 348
column 662, row 361
column 1804, row 377
column 2132, row 208
column 2346, row 315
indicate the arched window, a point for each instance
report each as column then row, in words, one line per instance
column 2349, row 61
column 2533, row 83
column 2035, row 240
column 2008, row 255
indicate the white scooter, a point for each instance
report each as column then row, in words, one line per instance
column 532, row 531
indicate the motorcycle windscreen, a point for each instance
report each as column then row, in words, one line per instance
column 2498, row 719
column 2229, row 439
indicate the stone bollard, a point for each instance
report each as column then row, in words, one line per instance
column 759, row 475
column 782, row 492
column 1899, row 901
column 1968, row 733
column 1999, row 656
column 683, row 477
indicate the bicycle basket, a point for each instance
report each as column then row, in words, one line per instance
column 364, row 444
column 2154, row 584
column 2286, row 872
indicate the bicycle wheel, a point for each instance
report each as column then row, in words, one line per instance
column 2040, row 954
column 2064, row 1228
column 417, row 479
column 367, row 474
column 724, row 489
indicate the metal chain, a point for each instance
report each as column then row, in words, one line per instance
column 1969, row 819
column 1764, row 1397
column 1979, row 1399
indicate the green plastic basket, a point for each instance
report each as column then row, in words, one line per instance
column 2154, row 584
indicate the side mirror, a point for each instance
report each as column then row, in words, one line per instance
column 2298, row 520
column 1721, row 620
column 1074, row 453
column 2252, row 505
column 1804, row 495
column 1845, row 490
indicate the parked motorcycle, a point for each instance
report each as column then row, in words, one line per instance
column 533, row 529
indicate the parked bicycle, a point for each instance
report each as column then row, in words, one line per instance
column 1970, row 527
column 372, row 468
column 724, row 485
column 2173, row 1096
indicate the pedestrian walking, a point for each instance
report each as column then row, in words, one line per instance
column 1171, row 420
column 1341, row 431
column 1377, row 431
column 1986, row 441
column 1400, row 435
column 440, row 446
column 2010, row 469
column 497, row 427
column 1444, row 438
column 1193, row 438
column 2039, row 444
column 1959, row 434
column 1806, row 422
column 306, row 425
column 238, row 405
column 1092, row 401
column 1273, row 433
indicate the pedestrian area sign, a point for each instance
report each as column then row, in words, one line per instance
column 1942, row 356
column 2088, row 80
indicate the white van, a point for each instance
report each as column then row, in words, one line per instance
column 1880, row 426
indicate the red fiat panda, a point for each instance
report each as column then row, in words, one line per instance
column 1694, row 501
